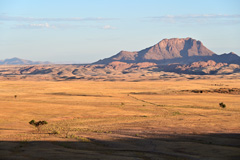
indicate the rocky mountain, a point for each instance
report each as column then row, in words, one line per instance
column 18, row 61
column 175, row 50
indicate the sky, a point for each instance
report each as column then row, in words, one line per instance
column 84, row 31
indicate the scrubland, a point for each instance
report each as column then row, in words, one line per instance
column 120, row 120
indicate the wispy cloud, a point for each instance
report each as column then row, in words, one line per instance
column 35, row 26
column 59, row 26
column 108, row 27
column 54, row 23
column 32, row 19
column 198, row 18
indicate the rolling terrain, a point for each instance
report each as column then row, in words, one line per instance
column 121, row 71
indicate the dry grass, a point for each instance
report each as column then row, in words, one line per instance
column 119, row 120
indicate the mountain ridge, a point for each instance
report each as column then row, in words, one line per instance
column 174, row 50
column 19, row 61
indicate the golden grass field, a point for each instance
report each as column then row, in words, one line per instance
column 119, row 120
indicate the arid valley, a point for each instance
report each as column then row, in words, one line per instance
column 164, row 119
column 174, row 100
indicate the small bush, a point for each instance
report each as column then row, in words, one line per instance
column 222, row 105
column 32, row 122
column 37, row 124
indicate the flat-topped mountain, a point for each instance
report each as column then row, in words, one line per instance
column 18, row 61
column 175, row 50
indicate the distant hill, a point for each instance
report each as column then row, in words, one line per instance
column 18, row 61
column 175, row 50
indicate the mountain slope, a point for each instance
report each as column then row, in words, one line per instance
column 18, row 61
column 164, row 50
column 175, row 50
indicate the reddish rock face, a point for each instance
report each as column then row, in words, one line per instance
column 124, row 55
column 176, row 48
column 166, row 49
column 209, row 63
column 202, row 64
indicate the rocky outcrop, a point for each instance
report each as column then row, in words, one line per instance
column 167, row 49
column 175, row 50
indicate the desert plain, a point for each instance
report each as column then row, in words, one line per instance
column 158, row 119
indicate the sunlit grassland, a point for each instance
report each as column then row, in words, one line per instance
column 109, row 106
column 119, row 120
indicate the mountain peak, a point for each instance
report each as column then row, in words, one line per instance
column 166, row 49
column 181, row 47
column 232, row 53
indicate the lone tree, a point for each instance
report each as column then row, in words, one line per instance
column 38, row 124
column 222, row 105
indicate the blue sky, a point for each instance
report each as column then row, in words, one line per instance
column 83, row 31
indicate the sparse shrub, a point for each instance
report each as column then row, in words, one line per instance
column 222, row 105
column 83, row 139
column 55, row 132
column 38, row 124
column 66, row 128
column 176, row 113
column 60, row 128
column 71, row 136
